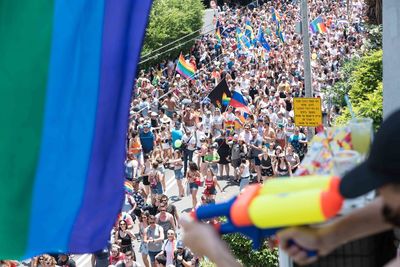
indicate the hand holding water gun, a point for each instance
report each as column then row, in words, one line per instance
column 260, row 211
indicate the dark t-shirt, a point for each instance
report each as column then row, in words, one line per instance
column 67, row 263
column 187, row 256
column 254, row 152
column 152, row 209
column 224, row 151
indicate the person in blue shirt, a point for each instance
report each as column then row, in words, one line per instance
column 299, row 142
column 147, row 139
column 176, row 134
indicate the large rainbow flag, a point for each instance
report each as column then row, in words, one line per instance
column 185, row 68
column 66, row 73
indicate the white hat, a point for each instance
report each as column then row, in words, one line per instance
column 165, row 119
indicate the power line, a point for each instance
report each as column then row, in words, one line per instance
column 160, row 48
column 168, row 50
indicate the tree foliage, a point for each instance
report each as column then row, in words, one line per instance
column 169, row 21
column 242, row 249
column 366, row 89
column 375, row 37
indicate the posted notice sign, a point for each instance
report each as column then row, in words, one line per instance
column 307, row 111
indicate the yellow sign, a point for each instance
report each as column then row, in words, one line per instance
column 307, row 111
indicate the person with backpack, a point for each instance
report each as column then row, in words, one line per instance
column 157, row 180
column 182, row 255
column 154, row 237
column 168, row 249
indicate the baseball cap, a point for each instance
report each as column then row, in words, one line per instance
column 180, row 244
column 382, row 165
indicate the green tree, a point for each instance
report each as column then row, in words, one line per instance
column 169, row 21
column 366, row 89
column 242, row 249
column 366, row 77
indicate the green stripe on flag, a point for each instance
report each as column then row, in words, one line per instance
column 25, row 43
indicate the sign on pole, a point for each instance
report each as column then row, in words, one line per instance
column 307, row 111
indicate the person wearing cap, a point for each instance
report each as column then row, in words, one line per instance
column 65, row 261
column 182, row 255
column 154, row 119
column 381, row 172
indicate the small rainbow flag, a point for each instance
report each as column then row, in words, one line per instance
column 218, row 36
column 128, row 187
column 225, row 99
column 318, row 25
column 184, row 68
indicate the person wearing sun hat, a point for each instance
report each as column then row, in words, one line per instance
column 381, row 172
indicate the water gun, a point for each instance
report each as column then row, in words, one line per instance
column 260, row 211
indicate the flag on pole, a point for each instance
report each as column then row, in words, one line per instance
column 218, row 36
column 64, row 124
column 185, row 68
column 279, row 33
column 261, row 39
column 318, row 25
column 220, row 94
column 238, row 101
column 245, row 40
column 249, row 31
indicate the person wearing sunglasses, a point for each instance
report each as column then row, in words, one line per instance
column 124, row 237
column 143, row 248
column 168, row 248
column 171, row 208
column 154, row 237
column 165, row 219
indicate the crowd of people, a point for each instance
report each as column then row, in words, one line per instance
column 173, row 125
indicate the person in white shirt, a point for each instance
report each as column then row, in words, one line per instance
column 246, row 134
column 189, row 146
column 217, row 122
column 207, row 122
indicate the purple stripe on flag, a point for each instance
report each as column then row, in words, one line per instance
column 124, row 27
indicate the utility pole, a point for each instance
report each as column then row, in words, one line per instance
column 306, row 56
column 306, row 48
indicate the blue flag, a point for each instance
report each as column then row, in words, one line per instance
column 261, row 39
column 245, row 40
